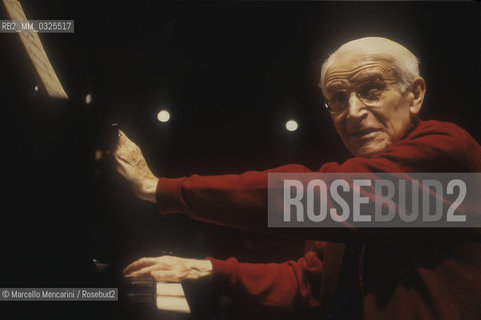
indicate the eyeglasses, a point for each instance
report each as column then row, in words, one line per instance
column 368, row 92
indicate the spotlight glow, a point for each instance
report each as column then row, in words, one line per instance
column 36, row 88
column 292, row 125
column 88, row 98
column 163, row 116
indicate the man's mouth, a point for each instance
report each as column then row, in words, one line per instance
column 364, row 133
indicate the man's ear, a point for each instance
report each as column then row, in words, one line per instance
column 418, row 90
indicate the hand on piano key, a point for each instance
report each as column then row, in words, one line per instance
column 169, row 268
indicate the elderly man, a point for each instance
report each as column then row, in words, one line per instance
column 374, row 93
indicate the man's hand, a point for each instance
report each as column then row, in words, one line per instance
column 132, row 166
column 169, row 268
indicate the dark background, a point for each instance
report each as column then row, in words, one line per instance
column 231, row 74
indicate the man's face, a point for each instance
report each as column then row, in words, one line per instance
column 372, row 112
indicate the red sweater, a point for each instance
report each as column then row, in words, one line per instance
column 417, row 274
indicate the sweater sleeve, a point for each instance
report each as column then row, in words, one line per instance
column 238, row 201
column 293, row 285
column 241, row 200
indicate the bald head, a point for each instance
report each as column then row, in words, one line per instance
column 403, row 62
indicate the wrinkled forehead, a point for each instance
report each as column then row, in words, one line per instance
column 346, row 66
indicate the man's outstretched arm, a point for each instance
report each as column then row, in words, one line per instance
column 240, row 201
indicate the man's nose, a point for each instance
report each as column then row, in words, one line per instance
column 356, row 108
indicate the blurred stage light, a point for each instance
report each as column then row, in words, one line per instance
column 292, row 125
column 36, row 88
column 163, row 116
column 98, row 155
column 88, row 98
